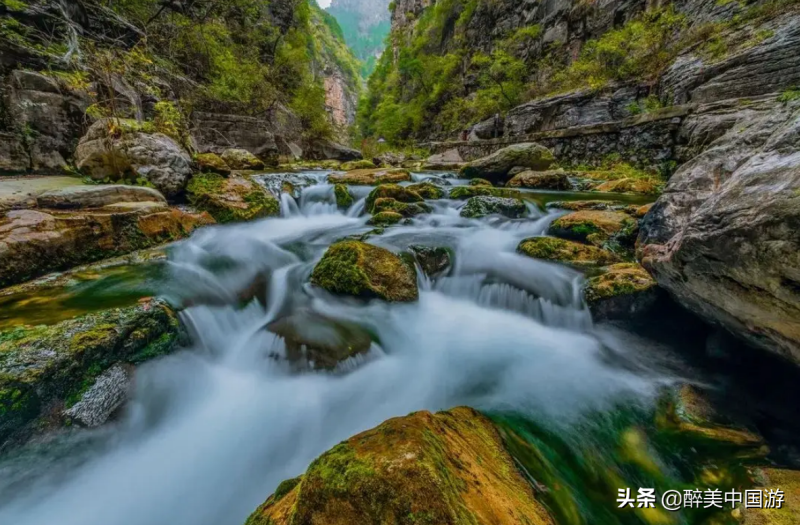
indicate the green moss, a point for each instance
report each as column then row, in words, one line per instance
column 552, row 249
column 391, row 191
column 15, row 5
column 789, row 95
column 619, row 279
column 385, row 218
column 479, row 182
column 426, row 190
column 286, row 486
column 343, row 198
column 231, row 200
column 358, row 165
column 467, row 192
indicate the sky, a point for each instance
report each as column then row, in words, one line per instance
column 324, row 3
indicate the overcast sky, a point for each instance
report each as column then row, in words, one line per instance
column 324, row 3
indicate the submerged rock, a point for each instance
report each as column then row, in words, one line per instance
column 391, row 191
column 371, row 177
column 241, row 159
column 542, row 180
column 446, row 469
column 434, row 261
column 235, row 199
column 497, row 166
column 96, row 196
column 213, row 163
column 50, row 366
column 560, row 250
column 362, row 270
column 594, row 227
column 343, row 197
column 482, row 206
column 620, row 292
column 357, row 165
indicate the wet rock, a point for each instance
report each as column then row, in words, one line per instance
column 391, row 191
column 773, row 479
column 371, row 177
column 212, row 163
column 241, row 159
column 588, row 205
column 594, row 227
column 467, row 192
column 483, row 205
column 385, row 218
column 104, row 397
column 118, row 149
column 622, row 291
column 357, row 165
column 362, row 270
column 642, row 187
column 427, row 190
column 544, row 180
column 46, row 366
column 496, row 166
column 479, row 182
column 343, row 197
column 33, row 243
column 235, row 199
column 443, row 468
column 560, row 250
column 318, row 342
column 405, row 209
column 327, row 149
column 291, row 183
column 434, row 261
column 96, row 196
column 724, row 237
column 21, row 192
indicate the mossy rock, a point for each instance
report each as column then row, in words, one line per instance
column 496, row 167
column 622, row 291
column 373, row 177
column 234, row 199
column 483, row 206
column 385, row 218
column 596, row 205
column 560, row 250
column 362, row 270
column 44, row 366
column 212, row 163
column 242, row 160
column 542, row 180
column 426, row 190
column 343, row 197
column 385, row 204
column 774, row 479
column 357, row 165
column 434, row 260
column 449, row 468
column 594, row 227
column 480, row 182
column 467, row 192
column 638, row 186
column 391, row 191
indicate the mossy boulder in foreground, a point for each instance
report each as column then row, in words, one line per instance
column 343, row 198
column 426, row 190
column 620, row 292
column 444, row 469
column 391, row 191
column 482, row 206
column 241, row 159
column 541, row 180
column 362, row 270
column 594, row 227
column 358, row 165
column 385, row 218
column 213, row 163
column 560, row 250
column 234, row 199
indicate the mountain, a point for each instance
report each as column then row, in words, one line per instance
column 365, row 25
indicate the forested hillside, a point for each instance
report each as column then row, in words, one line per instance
column 365, row 25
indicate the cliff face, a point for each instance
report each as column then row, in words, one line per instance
column 365, row 25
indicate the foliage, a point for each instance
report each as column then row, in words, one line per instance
column 789, row 95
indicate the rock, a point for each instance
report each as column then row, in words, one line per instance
column 488, row 129
column 389, row 159
column 326, row 149
column 496, row 166
column 385, row 218
column 426, row 190
column 21, row 192
column 595, row 227
column 480, row 182
column 371, row 177
column 212, row 163
column 318, row 342
column 343, row 197
column 588, row 205
column 33, row 243
column 235, row 199
column 643, row 187
column 543, row 180
column 278, row 183
column 443, row 468
column 391, row 191
column 434, row 261
column 358, row 165
column 724, row 237
column 773, row 479
column 384, row 204
column 482, row 206
column 450, row 157
column 44, row 366
column 96, row 196
column 241, row 159
column 117, row 149
column 640, row 211
column 366, row 271
column 622, row 291
column 560, row 250
column 106, row 395
column 467, row 192
column 217, row 132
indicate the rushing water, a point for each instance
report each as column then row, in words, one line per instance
column 213, row 429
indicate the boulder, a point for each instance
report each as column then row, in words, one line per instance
column 314, row 341
column 362, row 270
column 241, row 159
column 391, row 191
column 434, row 261
column 343, row 197
column 596, row 205
column 235, row 199
column 560, row 250
column 445, row 161
column 21, row 192
column 482, row 206
column 329, row 150
column 594, row 227
column 385, row 204
column 96, row 196
column 58, row 364
column 389, row 159
column 496, row 166
column 622, row 291
column 33, row 243
column 480, row 182
column 771, row 480
column 118, row 149
column 213, row 163
column 445, row 468
column 370, row 177
column 383, row 219
column 640, row 186
column 724, row 237
column 426, row 190
column 217, row 132
column 357, row 165
column 291, row 183
column 102, row 399
column 542, row 180
column 467, row 192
